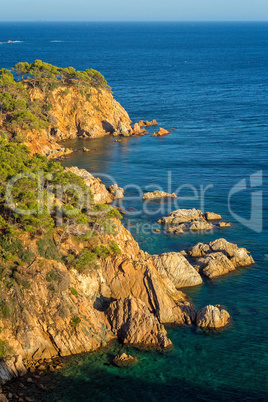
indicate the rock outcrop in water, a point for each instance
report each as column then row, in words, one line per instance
column 157, row 194
column 212, row 317
column 219, row 257
column 183, row 220
column 161, row 132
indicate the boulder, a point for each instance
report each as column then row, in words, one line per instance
column 157, row 194
column 134, row 324
column 124, row 360
column 160, row 132
column 177, row 269
column 211, row 216
column 117, row 192
column 212, row 317
column 223, row 225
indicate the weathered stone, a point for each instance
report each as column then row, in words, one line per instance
column 211, row 216
column 97, row 188
column 215, row 264
column 223, row 225
column 157, row 194
column 160, row 132
column 117, row 192
column 212, row 317
column 143, row 123
column 220, row 257
column 177, row 269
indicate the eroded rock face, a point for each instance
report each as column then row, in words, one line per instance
column 161, row 132
column 98, row 189
column 177, row 269
column 134, row 324
column 212, row 317
column 157, row 194
column 240, row 257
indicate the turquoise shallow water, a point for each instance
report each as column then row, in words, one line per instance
column 209, row 81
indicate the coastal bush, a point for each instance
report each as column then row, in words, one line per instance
column 4, row 310
column 73, row 291
column 85, row 260
column 115, row 249
column 52, row 276
column 101, row 251
column 75, row 321
column 5, row 349
column 47, row 249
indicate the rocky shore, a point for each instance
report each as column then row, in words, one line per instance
column 129, row 296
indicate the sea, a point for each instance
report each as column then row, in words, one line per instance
column 209, row 82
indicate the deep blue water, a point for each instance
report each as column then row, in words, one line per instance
column 210, row 82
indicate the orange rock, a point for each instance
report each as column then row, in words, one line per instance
column 160, row 132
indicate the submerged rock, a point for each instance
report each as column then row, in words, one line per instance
column 157, row 194
column 212, row 317
column 124, row 360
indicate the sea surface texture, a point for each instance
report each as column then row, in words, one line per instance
column 208, row 81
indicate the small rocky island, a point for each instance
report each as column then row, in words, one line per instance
column 183, row 220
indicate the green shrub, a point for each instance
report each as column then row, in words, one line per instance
column 73, row 291
column 84, row 260
column 4, row 310
column 5, row 349
column 3, row 135
column 115, row 249
column 14, row 247
column 101, row 251
column 52, row 276
column 47, row 249
column 75, row 321
column 51, row 287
